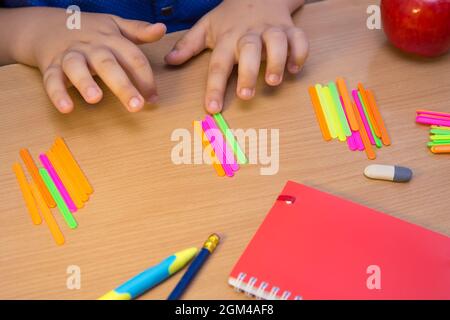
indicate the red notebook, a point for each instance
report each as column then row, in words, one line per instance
column 313, row 245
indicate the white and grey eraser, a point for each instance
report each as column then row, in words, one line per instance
column 388, row 173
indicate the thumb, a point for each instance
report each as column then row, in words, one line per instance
column 140, row 31
column 191, row 44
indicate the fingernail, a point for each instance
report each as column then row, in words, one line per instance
column 246, row 92
column 274, row 78
column 213, row 106
column 153, row 99
column 64, row 104
column 294, row 68
column 135, row 103
column 92, row 92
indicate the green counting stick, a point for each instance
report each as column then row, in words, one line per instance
column 440, row 131
column 67, row 215
column 377, row 140
column 438, row 143
column 340, row 110
column 240, row 155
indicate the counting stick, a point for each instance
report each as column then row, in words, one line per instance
column 441, row 149
column 319, row 114
column 73, row 165
column 334, row 114
column 27, row 195
column 364, row 137
column 75, row 194
column 229, row 156
column 340, row 109
column 33, row 170
column 347, row 104
column 217, row 149
column 371, row 118
column 326, row 111
column 240, row 155
column 378, row 118
column 207, row 146
column 366, row 113
column 57, row 181
column 433, row 113
column 65, row 212
column 47, row 215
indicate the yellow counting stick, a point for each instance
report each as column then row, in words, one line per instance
column 27, row 195
column 326, row 111
column 207, row 146
column 75, row 193
column 72, row 165
column 334, row 114
column 47, row 215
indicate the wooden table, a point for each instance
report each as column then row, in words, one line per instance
column 145, row 208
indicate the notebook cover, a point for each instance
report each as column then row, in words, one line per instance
column 324, row 247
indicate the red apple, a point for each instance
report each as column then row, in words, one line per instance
column 418, row 26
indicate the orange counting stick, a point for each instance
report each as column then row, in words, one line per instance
column 47, row 215
column 33, row 170
column 378, row 118
column 375, row 127
column 207, row 146
column 347, row 104
column 364, row 137
column 319, row 113
column 73, row 178
column 441, row 149
column 75, row 194
column 72, row 165
column 27, row 195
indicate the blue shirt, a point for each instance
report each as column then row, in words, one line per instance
column 175, row 14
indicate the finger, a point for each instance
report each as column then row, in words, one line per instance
column 276, row 47
column 140, row 31
column 299, row 48
column 56, row 89
column 191, row 44
column 75, row 67
column 220, row 67
column 250, row 47
column 133, row 60
column 108, row 69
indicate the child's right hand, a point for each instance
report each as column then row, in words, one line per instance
column 105, row 46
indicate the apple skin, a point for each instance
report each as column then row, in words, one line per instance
column 420, row 27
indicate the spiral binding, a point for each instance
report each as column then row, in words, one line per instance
column 261, row 291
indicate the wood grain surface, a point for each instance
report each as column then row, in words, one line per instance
column 144, row 207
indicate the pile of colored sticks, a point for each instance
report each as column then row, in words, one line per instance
column 358, row 122
column 440, row 129
column 220, row 143
column 60, row 183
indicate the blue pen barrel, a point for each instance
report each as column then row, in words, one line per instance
column 190, row 274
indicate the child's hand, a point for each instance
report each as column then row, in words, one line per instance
column 104, row 46
column 243, row 32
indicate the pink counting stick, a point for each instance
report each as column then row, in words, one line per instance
column 59, row 185
column 351, row 141
column 438, row 122
column 358, row 141
column 229, row 155
column 363, row 116
column 217, row 149
column 433, row 113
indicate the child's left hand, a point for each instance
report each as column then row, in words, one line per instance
column 244, row 32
